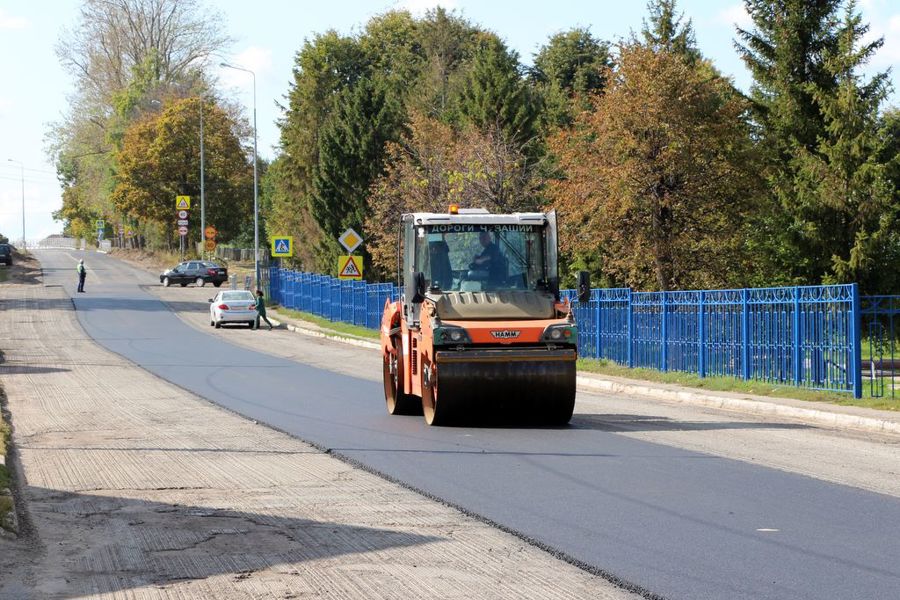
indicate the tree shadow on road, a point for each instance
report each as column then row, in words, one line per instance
column 620, row 422
column 104, row 544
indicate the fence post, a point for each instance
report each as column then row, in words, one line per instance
column 745, row 334
column 701, row 349
column 598, row 325
column 796, row 338
column 630, row 335
column 664, row 348
column 856, row 341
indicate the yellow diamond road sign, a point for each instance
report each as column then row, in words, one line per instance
column 182, row 202
column 350, row 267
column 282, row 246
column 350, row 240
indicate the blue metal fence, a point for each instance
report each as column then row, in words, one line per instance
column 881, row 352
column 355, row 302
column 808, row 336
column 804, row 336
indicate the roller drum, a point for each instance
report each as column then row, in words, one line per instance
column 534, row 386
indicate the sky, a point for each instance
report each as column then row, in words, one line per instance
column 34, row 88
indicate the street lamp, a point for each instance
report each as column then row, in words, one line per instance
column 22, row 167
column 202, row 188
column 255, row 183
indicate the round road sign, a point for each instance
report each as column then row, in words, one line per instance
column 182, row 230
column 182, row 214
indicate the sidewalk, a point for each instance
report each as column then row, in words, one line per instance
column 134, row 488
column 828, row 415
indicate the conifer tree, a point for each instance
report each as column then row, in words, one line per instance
column 351, row 155
column 496, row 95
column 843, row 192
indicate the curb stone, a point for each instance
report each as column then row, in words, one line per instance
column 746, row 405
column 596, row 383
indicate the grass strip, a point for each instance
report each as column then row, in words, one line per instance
column 6, row 503
column 730, row 384
column 335, row 327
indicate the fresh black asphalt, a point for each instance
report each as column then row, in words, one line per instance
column 676, row 523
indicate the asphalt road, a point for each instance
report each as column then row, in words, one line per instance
column 677, row 523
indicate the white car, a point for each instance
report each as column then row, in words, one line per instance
column 232, row 306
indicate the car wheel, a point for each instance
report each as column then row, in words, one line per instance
column 200, row 282
column 212, row 322
column 218, row 324
column 166, row 282
column 218, row 284
column 251, row 324
column 183, row 284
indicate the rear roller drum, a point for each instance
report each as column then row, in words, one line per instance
column 398, row 403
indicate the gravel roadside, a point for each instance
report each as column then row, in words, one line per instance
column 134, row 488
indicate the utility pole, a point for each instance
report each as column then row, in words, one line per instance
column 22, row 167
column 202, row 188
column 255, row 178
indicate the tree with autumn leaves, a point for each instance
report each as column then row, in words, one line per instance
column 657, row 177
column 160, row 155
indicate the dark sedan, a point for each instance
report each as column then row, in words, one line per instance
column 198, row 272
column 6, row 254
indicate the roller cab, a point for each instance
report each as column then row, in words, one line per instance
column 479, row 333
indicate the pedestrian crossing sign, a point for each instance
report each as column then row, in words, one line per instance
column 282, row 246
column 182, row 202
column 350, row 267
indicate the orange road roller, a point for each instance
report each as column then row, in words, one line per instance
column 479, row 333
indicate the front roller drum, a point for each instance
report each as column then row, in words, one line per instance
column 535, row 386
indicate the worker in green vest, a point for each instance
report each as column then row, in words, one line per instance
column 82, row 273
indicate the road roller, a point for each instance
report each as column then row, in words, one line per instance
column 479, row 333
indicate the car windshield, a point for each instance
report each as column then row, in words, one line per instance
column 211, row 265
column 237, row 296
column 462, row 257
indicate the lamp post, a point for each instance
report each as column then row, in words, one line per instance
column 255, row 182
column 22, row 167
column 202, row 188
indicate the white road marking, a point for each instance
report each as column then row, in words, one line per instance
column 767, row 530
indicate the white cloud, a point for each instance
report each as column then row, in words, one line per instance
column 254, row 58
column 419, row 7
column 735, row 14
column 8, row 21
column 889, row 29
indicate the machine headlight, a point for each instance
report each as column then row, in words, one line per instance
column 451, row 335
column 560, row 333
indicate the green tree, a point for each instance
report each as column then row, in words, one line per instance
column 568, row 68
column 448, row 43
column 323, row 68
column 496, row 95
column 351, row 156
column 785, row 52
column 844, row 194
column 668, row 32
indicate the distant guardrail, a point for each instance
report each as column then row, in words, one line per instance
column 57, row 241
